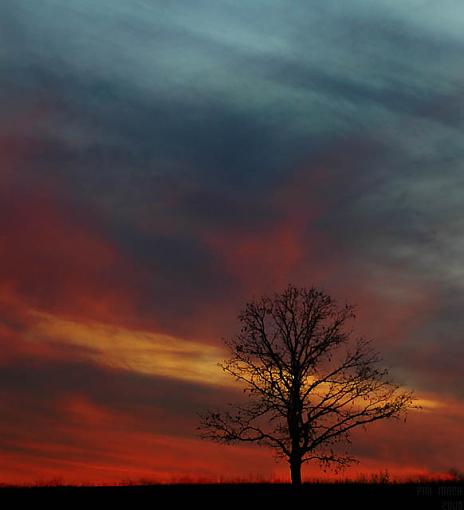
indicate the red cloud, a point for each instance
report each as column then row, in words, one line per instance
column 58, row 258
column 55, row 256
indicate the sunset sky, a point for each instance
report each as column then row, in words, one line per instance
column 162, row 162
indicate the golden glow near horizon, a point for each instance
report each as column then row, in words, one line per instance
column 426, row 404
column 138, row 351
column 147, row 352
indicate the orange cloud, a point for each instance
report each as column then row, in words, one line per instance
column 68, row 295
column 134, row 350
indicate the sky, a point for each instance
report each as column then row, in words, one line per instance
column 163, row 162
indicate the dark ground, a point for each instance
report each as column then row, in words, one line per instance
column 435, row 495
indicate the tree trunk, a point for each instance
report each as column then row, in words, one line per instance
column 295, row 470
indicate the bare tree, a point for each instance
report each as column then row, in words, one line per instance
column 309, row 382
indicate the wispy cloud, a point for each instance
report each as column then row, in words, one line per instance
column 163, row 162
column 138, row 351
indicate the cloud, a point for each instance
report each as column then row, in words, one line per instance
column 136, row 351
column 162, row 164
column 83, row 422
column 394, row 445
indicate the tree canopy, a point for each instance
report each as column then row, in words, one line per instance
column 309, row 380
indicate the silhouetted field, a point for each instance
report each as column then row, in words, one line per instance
column 434, row 495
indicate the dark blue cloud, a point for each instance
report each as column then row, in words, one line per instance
column 196, row 117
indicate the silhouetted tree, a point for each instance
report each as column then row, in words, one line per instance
column 308, row 381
